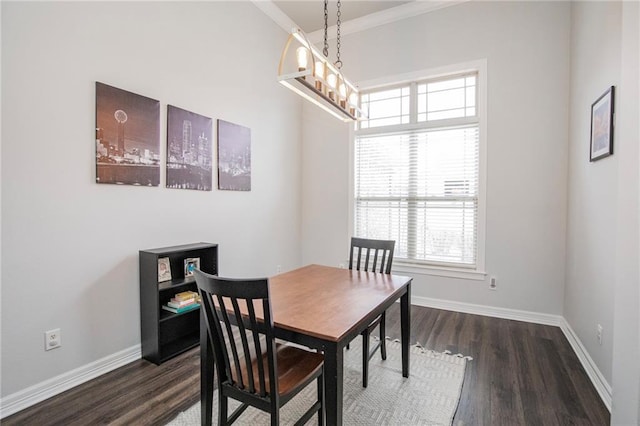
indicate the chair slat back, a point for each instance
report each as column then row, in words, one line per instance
column 238, row 338
column 366, row 253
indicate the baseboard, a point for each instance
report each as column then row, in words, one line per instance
column 599, row 382
column 37, row 393
column 32, row 395
column 488, row 311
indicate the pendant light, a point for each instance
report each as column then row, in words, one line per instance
column 311, row 75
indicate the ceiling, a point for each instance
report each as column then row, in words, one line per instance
column 309, row 14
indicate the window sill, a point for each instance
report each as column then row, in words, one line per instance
column 465, row 274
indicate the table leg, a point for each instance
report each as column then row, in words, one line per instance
column 405, row 314
column 333, row 369
column 206, row 374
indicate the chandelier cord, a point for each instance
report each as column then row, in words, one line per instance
column 326, row 28
column 338, row 61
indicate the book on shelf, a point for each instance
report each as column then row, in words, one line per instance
column 174, row 303
column 182, row 309
column 186, row 295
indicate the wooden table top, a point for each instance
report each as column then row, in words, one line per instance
column 327, row 302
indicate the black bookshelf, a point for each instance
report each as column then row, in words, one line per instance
column 163, row 333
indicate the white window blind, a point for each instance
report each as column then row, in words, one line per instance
column 419, row 185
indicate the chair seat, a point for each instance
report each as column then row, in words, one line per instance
column 295, row 366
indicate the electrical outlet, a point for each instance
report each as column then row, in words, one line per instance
column 493, row 283
column 341, row 265
column 52, row 339
column 599, row 333
column 278, row 269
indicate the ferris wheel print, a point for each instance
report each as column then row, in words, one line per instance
column 120, row 116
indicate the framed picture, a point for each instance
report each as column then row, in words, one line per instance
column 602, row 125
column 234, row 157
column 190, row 264
column 164, row 269
column 189, row 141
column 127, row 137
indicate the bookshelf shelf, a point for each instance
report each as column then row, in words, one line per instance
column 175, row 284
column 180, row 345
column 165, row 334
column 166, row 315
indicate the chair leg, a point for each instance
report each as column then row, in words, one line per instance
column 222, row 409
column 365, row 358
column 321, row 399
column 383, row 340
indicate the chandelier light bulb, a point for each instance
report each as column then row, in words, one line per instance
column 353, row 99
column 302, row 55
column 343, row 96
column 353, row 102
column 319, row 75
column 331, row 81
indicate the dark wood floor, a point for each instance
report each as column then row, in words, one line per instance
column 521, row 374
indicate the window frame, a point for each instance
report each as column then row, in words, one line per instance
column 413, row 79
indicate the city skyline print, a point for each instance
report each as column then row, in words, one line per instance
column 234, row 157
column 127, row 137
column 189, row 150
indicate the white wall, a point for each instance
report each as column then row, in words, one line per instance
column 70, row 246
column 592, row 202
column 626, row 338
column 526, row 45
column 0, row 198
column 325, row 165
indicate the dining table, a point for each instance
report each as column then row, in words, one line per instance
column 323, row 308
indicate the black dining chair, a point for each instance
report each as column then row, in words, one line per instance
column 250, row 366
column 375, row 256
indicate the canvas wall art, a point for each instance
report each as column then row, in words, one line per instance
column 127, row 137
column 189, row 153
column 234, row 157
column 602, row 125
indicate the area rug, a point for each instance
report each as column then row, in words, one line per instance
column 428, row 397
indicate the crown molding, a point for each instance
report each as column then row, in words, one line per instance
column 276, row 14
column 383, row 17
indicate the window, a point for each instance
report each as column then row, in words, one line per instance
column 417, row 171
